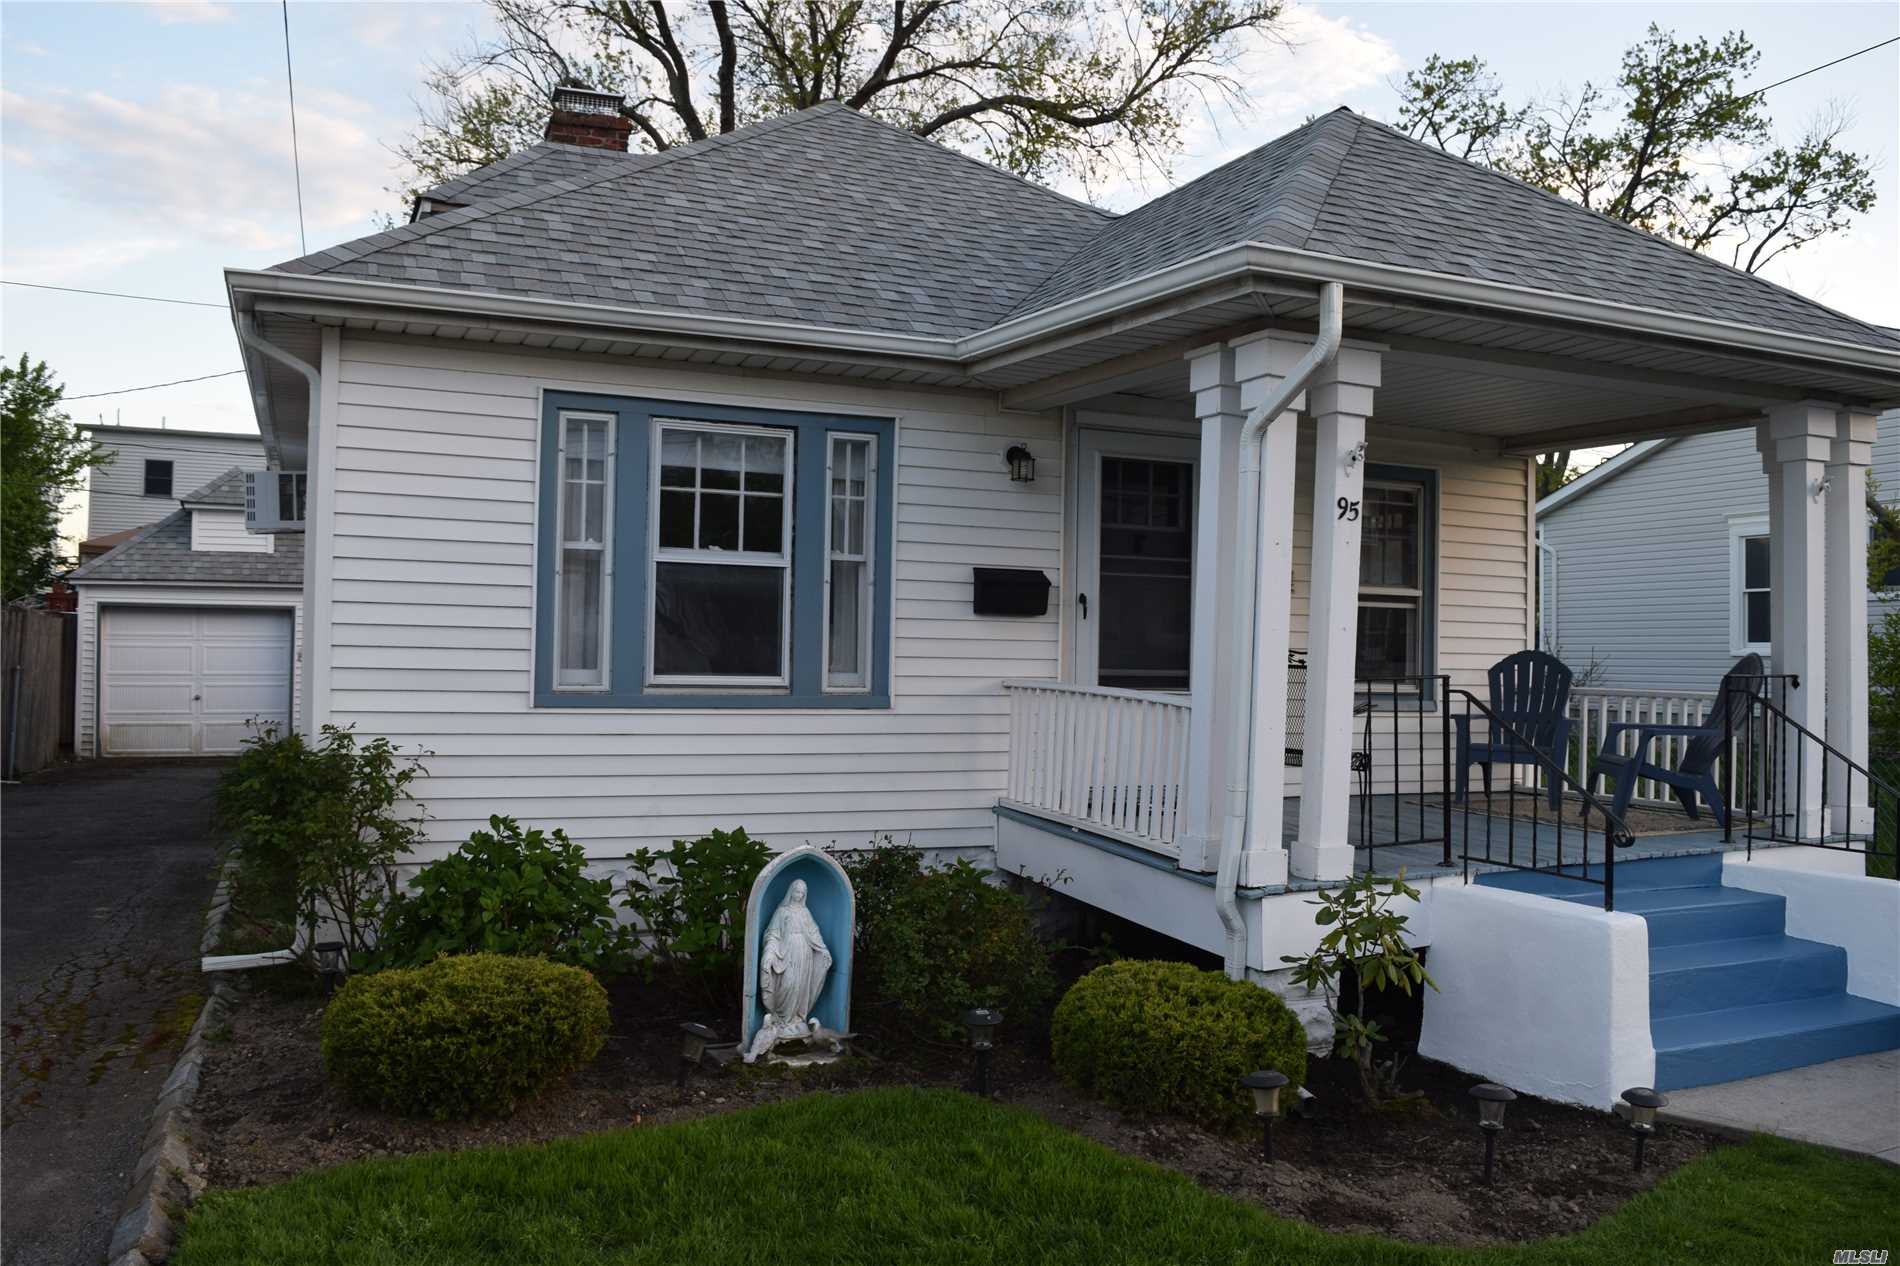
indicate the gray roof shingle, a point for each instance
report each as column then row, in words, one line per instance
column 827, row 217
column 162, row 553
column 226, row 490
column 824, row 217
column 1348, row 186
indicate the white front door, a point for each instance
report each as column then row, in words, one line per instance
column 176, row 681
column 1135, row 560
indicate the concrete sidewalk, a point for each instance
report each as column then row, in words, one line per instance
column 1850, row 1105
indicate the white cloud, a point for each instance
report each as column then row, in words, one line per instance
column 215, row 165
column 83, row 261
column 1314, row 64
column 189, row 12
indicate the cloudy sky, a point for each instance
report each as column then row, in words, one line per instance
column 145, row 146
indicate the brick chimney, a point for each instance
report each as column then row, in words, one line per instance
column 589, row 118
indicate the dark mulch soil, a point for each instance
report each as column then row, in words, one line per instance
column 267, row 1113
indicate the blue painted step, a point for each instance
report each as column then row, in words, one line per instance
column 1737, row 1042
column 1744, row 972
column 1731, row 995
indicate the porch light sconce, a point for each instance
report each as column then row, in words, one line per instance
column 981, row 1023
column 1643, row 1103
column 1266, row 1085
column 1819, row 487
column 1022, row 464
column 332, row 964
column 1492, row 1101
column 694, row 1039
column 1356, row 455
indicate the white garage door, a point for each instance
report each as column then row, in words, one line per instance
column 186, row 682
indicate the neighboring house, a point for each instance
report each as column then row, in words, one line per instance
column 819, row 479
column 189, row 632
column 151, row 468
column 1656, row 562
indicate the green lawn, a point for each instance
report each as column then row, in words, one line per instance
column 899, row 1176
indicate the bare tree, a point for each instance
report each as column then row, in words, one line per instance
column 1040, row 87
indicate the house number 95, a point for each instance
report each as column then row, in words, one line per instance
column 1348, row 510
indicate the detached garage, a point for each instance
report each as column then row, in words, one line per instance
column 188, row 633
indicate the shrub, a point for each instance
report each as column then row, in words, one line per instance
column 691, row 900
column 932, row 943
column 329, row 820
column 1169, row 1037
column 467, row 1034
column 507, row 891
column 1367, row 940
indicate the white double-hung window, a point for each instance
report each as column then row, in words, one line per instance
column 851, row 480
column 584, row 564
column 1391, row 582
column 722, row 555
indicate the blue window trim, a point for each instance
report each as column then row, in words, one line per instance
column 1428, row 571
column 628, row 599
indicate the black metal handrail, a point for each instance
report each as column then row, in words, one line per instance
column 1616, row 834
column 1780, row 727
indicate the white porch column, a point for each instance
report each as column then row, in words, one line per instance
column 1801, row 435
column 1340, row 401
column 1260, row 362
column 1846, row 512
column 1215, row 668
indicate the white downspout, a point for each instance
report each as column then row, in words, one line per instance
column 1246, row 601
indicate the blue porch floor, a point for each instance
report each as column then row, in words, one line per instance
column 1511, row 840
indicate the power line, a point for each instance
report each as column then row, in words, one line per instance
column 1823, row 66
column 152, row 386
column 120, row 294
column 296, row 158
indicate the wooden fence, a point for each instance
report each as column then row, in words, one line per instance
column 36, row 685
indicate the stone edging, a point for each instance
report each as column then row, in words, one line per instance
column 166, row 1179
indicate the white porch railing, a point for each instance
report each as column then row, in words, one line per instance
column 1106, row 759
column 1594, row 709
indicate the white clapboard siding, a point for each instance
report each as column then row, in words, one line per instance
column 222, row 532
column 95, row 594
column 429, row 614
column 115, row 492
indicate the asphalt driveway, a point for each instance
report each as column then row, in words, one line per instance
column 107, row 869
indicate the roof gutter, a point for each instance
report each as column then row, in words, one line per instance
column 1390, row 279
column 247, row 334
column 1245, row 581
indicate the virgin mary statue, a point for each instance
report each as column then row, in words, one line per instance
column 793, row 964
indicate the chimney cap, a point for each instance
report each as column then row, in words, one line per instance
column 578, row 99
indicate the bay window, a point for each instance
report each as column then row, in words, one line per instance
column 754, row 550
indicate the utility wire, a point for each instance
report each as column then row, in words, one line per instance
column 119, row 294
column 152, row 386
column 296, row 159
column 1823, row 66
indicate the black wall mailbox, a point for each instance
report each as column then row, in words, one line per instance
column 1011, row 591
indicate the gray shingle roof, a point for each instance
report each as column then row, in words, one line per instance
column 1348, row 186
column 829, row 218
column 226, row 490
column 824, row 217
column 526, row 170
column 162, row 553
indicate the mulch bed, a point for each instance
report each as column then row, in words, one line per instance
column 266, row 1113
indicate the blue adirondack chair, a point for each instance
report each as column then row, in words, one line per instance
column 1694, row 774
column 1530, row 692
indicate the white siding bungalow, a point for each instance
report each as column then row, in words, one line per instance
column 820, row 480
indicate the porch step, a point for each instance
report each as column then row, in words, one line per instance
column 1731, row 995
column 1699, row 976
column 1737, row 1042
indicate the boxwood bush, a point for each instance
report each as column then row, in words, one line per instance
column 1169, row 1037
column 466, row 1035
